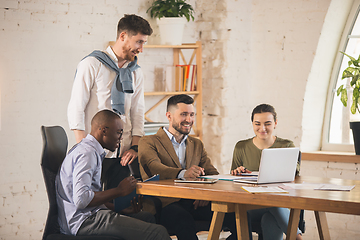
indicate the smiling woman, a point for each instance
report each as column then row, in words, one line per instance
column 247, row 153
column 246, row 158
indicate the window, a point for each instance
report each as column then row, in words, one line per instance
column 337, row 135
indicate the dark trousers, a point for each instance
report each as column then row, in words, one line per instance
column 109, row 223
column 180, row 218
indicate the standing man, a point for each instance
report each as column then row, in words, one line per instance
column 82, row 205
column 113, row 80
column 171, row 153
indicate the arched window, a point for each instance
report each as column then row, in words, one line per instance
column 337, row 135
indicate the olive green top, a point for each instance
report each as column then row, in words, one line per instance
column 246, row 154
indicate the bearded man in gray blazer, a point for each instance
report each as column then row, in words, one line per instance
column 172, row 154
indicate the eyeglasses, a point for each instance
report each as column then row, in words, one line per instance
column 121, row 132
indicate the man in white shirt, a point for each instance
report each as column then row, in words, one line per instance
column 93, row 82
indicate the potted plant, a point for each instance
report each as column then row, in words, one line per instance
column 352, row 72
column 171, row 17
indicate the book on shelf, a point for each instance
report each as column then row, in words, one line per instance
column 186, row 77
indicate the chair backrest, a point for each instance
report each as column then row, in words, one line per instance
column 55, row 144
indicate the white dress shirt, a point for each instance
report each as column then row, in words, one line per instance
column 180, row 150
column 91, row 93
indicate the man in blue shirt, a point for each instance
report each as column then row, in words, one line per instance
column 83, row 207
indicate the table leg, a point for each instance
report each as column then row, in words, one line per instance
column 216, row 225
column 293, row 224
column 322, row 225
column 242, row 227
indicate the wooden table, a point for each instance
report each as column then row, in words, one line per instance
column 227, row 196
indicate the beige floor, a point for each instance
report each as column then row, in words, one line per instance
column 223, row 236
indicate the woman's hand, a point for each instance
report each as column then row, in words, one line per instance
column 240, row 170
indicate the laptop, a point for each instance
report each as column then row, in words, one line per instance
column 276, row 165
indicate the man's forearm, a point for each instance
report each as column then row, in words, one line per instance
column 103, row 197
column 135, row 140
column 79, row 135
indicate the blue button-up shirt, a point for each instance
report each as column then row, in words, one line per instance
column 76, row 182
column 180, row 150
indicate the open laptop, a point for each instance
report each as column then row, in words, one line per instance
column 276, row 165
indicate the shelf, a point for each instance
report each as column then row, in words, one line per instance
column 178, row 57
column 171, row 93
column 330, row 157
column 184, row 46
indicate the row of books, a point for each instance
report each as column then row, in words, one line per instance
column 186, row 74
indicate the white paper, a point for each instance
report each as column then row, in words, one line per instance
column 264, row 189
column 301, row 185
column 317, row 186
column 334, row 187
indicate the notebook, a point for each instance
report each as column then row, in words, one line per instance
column 276, row 165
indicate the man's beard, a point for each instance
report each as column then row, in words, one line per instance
column 177, row 127
column 128, row 55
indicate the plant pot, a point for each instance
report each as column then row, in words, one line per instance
column 355, row 126
column 171, row 30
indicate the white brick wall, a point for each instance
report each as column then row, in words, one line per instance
column 42, row 42
column 246, row 60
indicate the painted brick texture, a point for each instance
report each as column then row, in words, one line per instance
column 249, row 48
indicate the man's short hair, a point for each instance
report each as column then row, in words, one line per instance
column 133, row 24
column 182, row 98
column 103, row 117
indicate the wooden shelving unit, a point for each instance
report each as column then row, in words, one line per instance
column 178, row 57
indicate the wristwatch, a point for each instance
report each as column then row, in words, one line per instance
column 134, row 147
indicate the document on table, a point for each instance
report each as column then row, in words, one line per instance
column 264, row 189
column 317, row 186
column 300, row 185
column 334, row 187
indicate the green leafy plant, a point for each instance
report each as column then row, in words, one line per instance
column 353, row 72
column 171, row 8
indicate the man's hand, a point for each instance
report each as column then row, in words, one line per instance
column 127, row 157
column 136, row 206
column 194, row 172
column 200, row 203
column 127, row 185
column 240, row 170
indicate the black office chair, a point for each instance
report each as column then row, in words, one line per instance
column 54, row 151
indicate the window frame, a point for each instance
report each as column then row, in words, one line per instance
column 326, row 145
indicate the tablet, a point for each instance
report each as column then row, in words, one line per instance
column 254, row 173
column 195, row 180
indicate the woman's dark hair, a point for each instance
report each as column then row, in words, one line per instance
column 133, row 24
column 263, row 108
